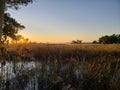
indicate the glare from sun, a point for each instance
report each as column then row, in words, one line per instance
column 21, row 40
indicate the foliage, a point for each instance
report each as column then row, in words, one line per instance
column 4, row 5
column 11, row 27
column 17, row 3
column 95, row 42
column 110, row 39
column 19, row 39
column 77, row 42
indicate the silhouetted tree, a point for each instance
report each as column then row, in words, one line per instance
column 18, row 38
column 4, row 4
column 95, row 42
column 11, row 27
column 110, row 39
column 77, row 42
column 26, row 40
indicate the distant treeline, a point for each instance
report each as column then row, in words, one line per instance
column 108, row 39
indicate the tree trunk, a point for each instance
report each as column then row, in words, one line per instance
column 2, row 9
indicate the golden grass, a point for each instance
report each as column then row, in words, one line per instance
column 85, row 66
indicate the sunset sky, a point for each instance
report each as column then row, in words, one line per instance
column 67, row 20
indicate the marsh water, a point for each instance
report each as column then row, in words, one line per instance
column 33, row 76
column 18, row 75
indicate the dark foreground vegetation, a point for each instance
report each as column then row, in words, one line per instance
column 61, row 67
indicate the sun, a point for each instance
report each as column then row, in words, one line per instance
column 21, row 40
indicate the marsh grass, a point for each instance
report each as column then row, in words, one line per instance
column 66, row 67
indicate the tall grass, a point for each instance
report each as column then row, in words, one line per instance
column 69, row 67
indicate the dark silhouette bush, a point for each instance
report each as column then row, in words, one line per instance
column 115, row 38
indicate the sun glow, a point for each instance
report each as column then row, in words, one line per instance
column 22, row 40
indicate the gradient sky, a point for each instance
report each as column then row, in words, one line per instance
column 67, row 20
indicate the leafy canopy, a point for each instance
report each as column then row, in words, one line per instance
column 10, row 27
column 110, row 39
column 17, row 3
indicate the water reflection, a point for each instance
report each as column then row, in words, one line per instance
column 10, row 69
column 14, row 74
column 32, row 76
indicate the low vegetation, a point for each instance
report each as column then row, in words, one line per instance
column 66, row 67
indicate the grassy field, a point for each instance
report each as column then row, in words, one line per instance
column 72, row 67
